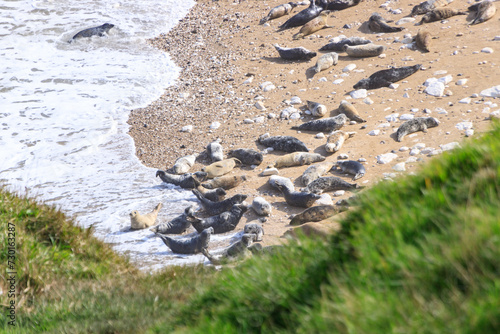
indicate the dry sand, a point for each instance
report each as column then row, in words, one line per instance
column 220, row 45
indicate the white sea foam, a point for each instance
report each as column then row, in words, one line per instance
column 64, row 108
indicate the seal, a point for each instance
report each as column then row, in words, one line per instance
column 439, row 14
column 314, row 214
column 423, row 40
column 287, row 144
column 221, row 223
column 329, row 183
column 326, row 61
column 352, row 167
column 178, row 225
column 188, row 245
column 215, row 195
column 316, row 109
column 247, row 156
column 186, row 181
column 314, row 25
column 95, row 31
column 384, row 78
column 215, row 208
column 279, row 11
column 338, row 4
column 485, row 10
column 350, row 111
column 339, row 46
column 427, row 6
column 224, row 182
column 296, row 159
column 302, row 17
column 324, row 124
column 315, row 171
column 220, row 168
column 261, row 206
column 138, row 221
column 215, row 151
column 300, row 53
column 184, row 164
column 414, row 125
column 255, row 229
column 336, row 139
column 239, row 248
column 364, row 50
column 276, row 180
column 300, row 199
column 377, row 23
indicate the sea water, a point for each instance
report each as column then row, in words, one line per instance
column 64, row 109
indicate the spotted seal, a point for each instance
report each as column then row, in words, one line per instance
column 384, row 78
column 439, row 14
column 377, row 23
column 326, row 61
column 414, row 125
column 220, row 168
column 314, row 25
column 221, row 223
column 261, row 206
column 364, row 50
column 255, row 229
column 225, row 182
column 215, row 151
column 215, row 208
column 352, row 167
column 427, row 6
column 336, row 139
column 300, row 53
column 279, row 11
column 186, row 181
column 485, row 10
column 188, row 245
column 184, row 164
column 302, row 17
column 239, row 248
column 314, row 214
column 247, row 156
column 329, row 183
column 215, row 195
column 315, row 171
column 316, row 109
column 296, row 198
column 339, row 46
column 276, row 180
column 423, row 40
column 338, row 4
column 324, row 124
column 296, row 159
column 178, row 225
column 350, row 111
column 287, row 144
column 95, row 31
column 138, row 221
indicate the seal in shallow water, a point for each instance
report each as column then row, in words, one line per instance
column 138, row 221
column 215, row 208
column 186, row 181
column 279, row 11
column 287, row 144
column 300, row 53
column 414, row 125
column 302, row 17
column 95, row 31
column 178, row 225
column 221, row 223
column 188, row 245
column 384, row 78
column 352, row 167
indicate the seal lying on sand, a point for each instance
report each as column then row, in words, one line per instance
column 221, row 223
column 364, row 50
column 384, row 78
column 377, row 23
column 279, row 11
column 329, row 183
column 300, row 199
column 339, row 46
column 255, row 229
column 287, row 144
column 439, row 14
column 296, row 159
column 352, row 167
column 261, row 206
column 315, row 171
column 414, row 125
column 336, row 139
column 300, row 53
column 225, row 182
column 338, row 4
column 95, row 31
column 423, row 40
column 178, row 225
column 302, row 17
column 188, row 245
column 314, row 25
column 317, row 109
column 485, row 10
column 350, row 111
column 184, row 164
column 324, row 124
column 215, row 151
column 215, row 208
column 314, row 214
column 276, row 180
column 220, row 168
column 247, row 156
column 238, row 248
column 326, row 61
column 427, row 6
column 186, row 181
column 138, row 221
column 215, row 195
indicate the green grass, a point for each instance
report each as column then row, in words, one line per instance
column 421, row 255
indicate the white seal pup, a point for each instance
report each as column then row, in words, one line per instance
column 95, row 31
column 215, row 208
column 365, row 50
column 138, row 221
column 316, row 171
column 261, row 206
column 385, row 78
column 178, row 225
column 377, row 23
column 350, row 111
column 279, row 11
column 352, row 167
column 221, row 223
column 188, row 245
column 287, row 144
column 329, row 183
column 314, row 214
column 300, row 199
column 323, row 125
column 339, row 46
column 336, row 139
column 299, row 53
column 186, row 181
column 326, row 61
column 414, row 125
column 276, row 180
column 316, row 109
column 215, row 151
column 184, row 164
column 247, row 156
column 485, row 10
column 255, row 229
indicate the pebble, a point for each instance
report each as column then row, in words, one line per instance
column 491, row 92
column 419, row 146
column 450, row 146
column 494, row 114
column 464, row 125
column 322, row 79
column 461, row 82
column 343, row 156
column 497, row 38
column 465, row 100
column 339, row 193
column 392, row 117
column 386, row 158
column 400, row 167
column 359, row 94
column 406, row 95
column 411, row 159
column 435, row 88
column 427, row 111
column 349, row 68
column 393, row 85
column 435, row 152
column 440, row 72
column 271, row 115
column 295, row 100
column 214, row 125
column 248, row 121
column 406, row 117
column 403, row 149
column 259, row 119
column 414, row 151
column 469, row 133
column 325, row 199
column 427, row 150
column 362, row 160
column 487, row 50
column 295, row 115
column 320, row 135
column 259, row 105
column 382, row 56
column 270, row 171
column 187, row 128
column 405, row 20
column 374, row 132
column 446, row 80
column 338, row 81
column 384, row 125
column 368, row 101
column 414, row 109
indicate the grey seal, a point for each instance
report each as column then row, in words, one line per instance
column 296, row 159
column 215, row 208
column 316, row 109
column 240, row 247
column 279, row 11
column 439, row 14
column 276, row 180
column 485, row 10
column 339, row 46
column 324, row 125
column 299, row 53
column 184, row 164
column 326, row 61
column 329, row 183
column 255, row 229
column 178, row 225
column 261, row 206
column 247, row 156
column 423, row 40
column 336, row 139
column 338, row 4
column 352, row 167
column 427, row 6
column 221, row 223
column 95, row 31
column 287, row 144
column 186, row 181
column 350, row 111
column 300, row 199
column 225, row 182
column 215, row 151
column 314, row 25
column 314, row 214
column 316, row 171
column 384, row 78
column 138, row 221
column 364, row 50
column 377, row 23
column 302, row 17
column 414, row 125
column 215, row 195
column 188, row 245
column 220, row 168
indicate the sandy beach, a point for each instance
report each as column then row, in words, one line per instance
column 225, row 56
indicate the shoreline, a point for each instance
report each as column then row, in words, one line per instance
column 219, row 43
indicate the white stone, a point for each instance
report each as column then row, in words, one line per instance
column 362, row 160
column 264, row 84
column 414, row 109
column 392, row 117
column 427, row 111
column 491, row 92
column 430, row 81
column 187, row 128
column 338, row 81
column 322, row 79
column 435, row 152
column 465, row 100
column 407, row 40
column 497, row 38
column 248, row 121
column 435, row 88
column 295, row 115
column 464, row 125
column 214, row 125
column 384, row 125
column 259, row 119
column 419, row 146
column 339, row 193
column 349, row 68
column 295, row 100
column 325, row 199
column 269, row 88
column 461, row 82
column 411, row 159
column 343, row 156
column 406, row 95
column 320, row 135
column 446, row 80
column 368, row 101
column 271, row 115
column 386, row 158
column 427, row 150
column 469, row 133
column 403, row 149
column 494, row 114
column 400, row 167
column 259, row 105
column 359, row 94
column 405, row 20
column 270, row 171
column 393, row 86
column 487, row 50
column 440, row 72
column 374, row 132
column 414, row 151
column 449, row 146
column 406, row 117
